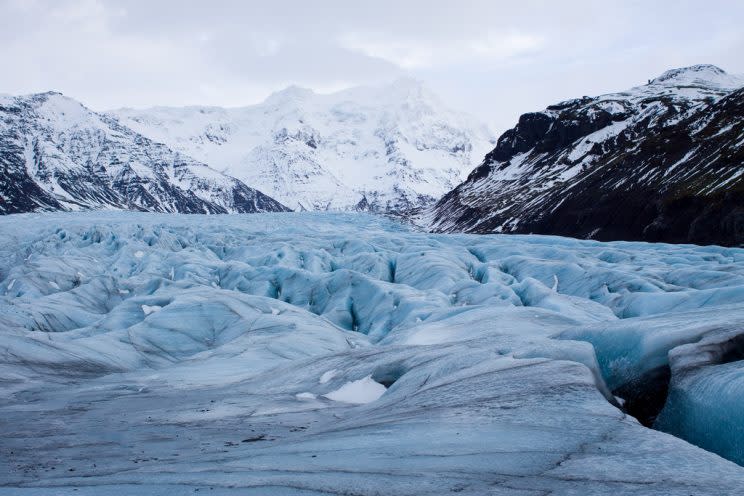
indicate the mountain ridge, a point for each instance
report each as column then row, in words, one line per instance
column 658, row 162
column 59, row 155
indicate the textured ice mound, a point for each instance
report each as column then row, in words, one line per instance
column 365, row 390
column 341, row 354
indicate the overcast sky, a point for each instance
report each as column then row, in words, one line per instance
column 494, row 59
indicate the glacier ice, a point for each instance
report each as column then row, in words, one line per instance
column 349, row 354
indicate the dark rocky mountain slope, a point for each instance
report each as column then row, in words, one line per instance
column 660, row 162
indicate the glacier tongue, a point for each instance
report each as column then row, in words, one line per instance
column 346, row 354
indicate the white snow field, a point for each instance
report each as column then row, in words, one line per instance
column 276, row 354
column 381, row 148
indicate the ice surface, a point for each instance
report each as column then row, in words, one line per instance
column 348, row 354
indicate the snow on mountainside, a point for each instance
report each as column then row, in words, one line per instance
column 386, row 148
column 659, row 162
column 58, row 155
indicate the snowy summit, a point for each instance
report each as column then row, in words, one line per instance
column 383, row 148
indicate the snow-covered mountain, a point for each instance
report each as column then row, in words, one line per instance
column 386, row 148
column 659, row 162
column 58, row 155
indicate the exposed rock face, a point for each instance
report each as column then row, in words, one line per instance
column 58, row 155
column 660, row 162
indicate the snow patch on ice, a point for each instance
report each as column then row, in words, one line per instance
column 360, row 392
column 148, row 309
column 327, row 376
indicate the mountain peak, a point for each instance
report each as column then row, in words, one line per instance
column 410, row 87
column 42, row 97
column 392, row 143
column 61, row 110
column 50, row 94
column 697, row 69
column 697, row 75
column 292, row 93
column 408, row 83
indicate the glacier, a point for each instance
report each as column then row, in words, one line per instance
column 318, row 353
column 387, row 148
